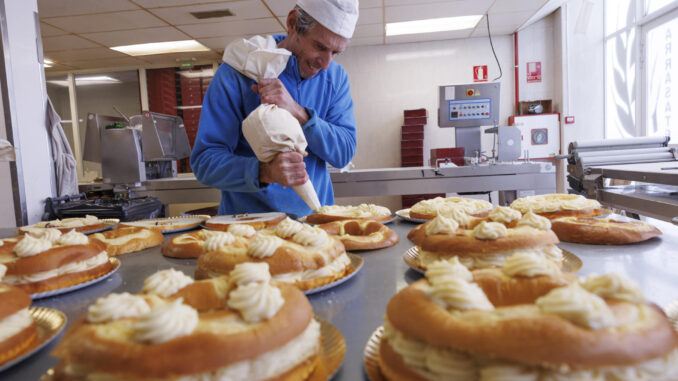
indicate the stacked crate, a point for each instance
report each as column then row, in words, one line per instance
column 412, row 149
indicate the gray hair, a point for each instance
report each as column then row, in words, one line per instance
column 304, row 21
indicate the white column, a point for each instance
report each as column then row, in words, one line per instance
column 143, row 89
column 26, row 106
column 75, row 124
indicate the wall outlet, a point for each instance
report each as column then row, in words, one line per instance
column 569, row 119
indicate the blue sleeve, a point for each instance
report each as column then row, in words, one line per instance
column 334, row 138
column 213, row 160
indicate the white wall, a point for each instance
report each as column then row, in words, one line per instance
column 7, row 217
column 536, row 44
column 28, row 95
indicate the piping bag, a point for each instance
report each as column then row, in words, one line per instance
column 269, row 129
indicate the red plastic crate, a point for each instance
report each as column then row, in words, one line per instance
column 419, row 152
column 411, row 144
column 413, row 136
column 415, row 121
column 415, row 113
column 413, row 128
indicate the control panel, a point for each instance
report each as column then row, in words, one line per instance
column 470, row 109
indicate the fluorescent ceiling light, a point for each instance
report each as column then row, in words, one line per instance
column 162, row 48
column 443, row 24
column 89, row 80
column 48, row 62
column 203, row 73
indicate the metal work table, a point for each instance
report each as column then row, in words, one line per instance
column 376, row 182
column 357, row 307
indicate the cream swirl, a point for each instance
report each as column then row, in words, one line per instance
column 490, row 230
column 508, row 372
column 375, row 210
column 535, row 221
column 242, row 230
column 15, row 323
column 73, row 238
column 288, row 227
column 578, row 306
column 30, row 246
column 250, row 272
column 264, row 245
column 166, row 282
column 311, row 236
column 458, row 215
column 165, row 323
column 504, row 214
column 529, row 264
column 413, row 352
column 455, row 293
column 216, row 240
column 451, row 365
column 613, row 286
column 256, row 301
column 117, row 306
column 573, row 375
column 451, row 267
column 441, row 224
column 3, row 271
column 49, row 234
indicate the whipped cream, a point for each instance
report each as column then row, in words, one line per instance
column 73, row 238
column 242, row 230
column 117, row 306
column 450, row 291
column 546, row 203
column 338, row 264
column 15, row 323
column 49, row 234
column 264, row 245
column 463, row 219
column 509, row 372
column 529, row 264
column 166, row 282
column 484, row 260
column 73, row 267
column 451, row 267
column 441, row 224
column 578, row 306
column 30, row 246
column 613, row 286
column 288, row 227
column 311, row 236
column 165, row 323
column 360, row 211
column 536, row 221
column 3, row 271
column 250, row 272
column 504, row 214
column 490, row 230
column 256, row 301
column 216, row 240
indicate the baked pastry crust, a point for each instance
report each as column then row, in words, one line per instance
column 167, row 224
column 79, row 224
column 188, row 245
column 349, row 212
column 67, row 280
column 429, row 209
column 256, row 220
column 94, row 347
column 521, row 333
column 362, row 235
column 13, row 300
column 126, row 240
column 558, row 205
column 602, row 231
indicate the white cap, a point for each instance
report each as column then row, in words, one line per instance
column 339, row 16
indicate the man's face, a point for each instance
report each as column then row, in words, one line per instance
column 316, row 49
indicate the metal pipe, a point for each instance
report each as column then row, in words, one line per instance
column 644, row 158
column 621, row 152
column 607, row 143
column 516, row 69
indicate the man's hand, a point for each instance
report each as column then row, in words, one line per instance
column 272, row 91
column 287, row 168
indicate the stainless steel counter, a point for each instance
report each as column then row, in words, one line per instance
column 357, row 307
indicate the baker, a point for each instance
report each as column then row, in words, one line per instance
column 313, row 88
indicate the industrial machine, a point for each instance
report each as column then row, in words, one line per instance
column 639, row 175
column 137, row 149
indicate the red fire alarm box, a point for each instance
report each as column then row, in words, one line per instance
column 534, row 71
column 480, row 73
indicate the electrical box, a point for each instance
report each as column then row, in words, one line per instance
column 540, row 134
column 471, row 105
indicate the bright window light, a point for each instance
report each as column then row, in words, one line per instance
column 162, row 48
column 89, row 80
column 443, row 24
column 48, row 62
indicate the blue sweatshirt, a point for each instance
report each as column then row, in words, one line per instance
column 223, row 159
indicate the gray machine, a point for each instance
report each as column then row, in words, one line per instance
column 142, row 148
column 467, row 107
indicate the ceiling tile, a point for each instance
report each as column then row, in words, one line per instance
column 83, row 54
column 51, row 8
column 218, row 43
column 421, row 37
column 172, row 3
column 175, row 58
column 241, row 9
column 107, row 63
column 106, row 22
column 369, row 30
column 512, row 20
column 47, row 30
column 233, row 28
column 496, row 31
column 370, row 16
column 506, row 6
column 66, row 42
column 436, row 10
column 359, row 41
column 281, row 7
column 138, row 36
column 370, row 4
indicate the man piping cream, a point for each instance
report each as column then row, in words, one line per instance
column 312, row 88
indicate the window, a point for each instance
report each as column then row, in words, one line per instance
column 639, row 97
